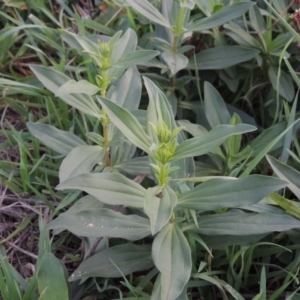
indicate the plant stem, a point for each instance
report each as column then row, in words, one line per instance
column 178, row 30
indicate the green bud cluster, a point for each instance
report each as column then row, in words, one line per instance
column 165, row 150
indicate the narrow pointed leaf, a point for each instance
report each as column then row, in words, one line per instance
column 286, row 173
column 80, row 160
column 60, row 141
column 51, row 279
column 77, row 87
column 127, row 124
column 145, row 8
column 128, row 258
column 110, row 188
column 221, row 57
column 227, row 193
column 208, row 142
column 233, row 223
column 53, row 80
column 102, row 222
column 159, row 204
column 172, row 257
column 221, row 17
column 136, row 58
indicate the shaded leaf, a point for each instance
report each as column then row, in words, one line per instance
column 77, row 87
column 80, row 160
column 110, row 188
column 128, row 258
column 226, row 192
column 158, row 206
column 60, row 141
column 102, row 222
column 172, row 257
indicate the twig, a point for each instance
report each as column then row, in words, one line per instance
column 22, row 250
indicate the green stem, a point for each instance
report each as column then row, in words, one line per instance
column 105, row 122
column 178, row 30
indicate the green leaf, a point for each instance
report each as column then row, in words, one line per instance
column 110, row 188
column 53, row 80
column 158, row 206
column 175, row 62
column 127, row 124
column 51, row 279
column 172, row 257
column 128, row 90
column 145, row 8
column 221, row 57
column 227, row 192
column 288, row 205
column 60, row 141
column 286, row 173
column 80, row 160
column 215, row 108
column 102, row 222
column 201, row 145
column 239, row 223
column 284, row 85
column 136, row 58
column 77, row 87
column 128, row 258
column 221, row 17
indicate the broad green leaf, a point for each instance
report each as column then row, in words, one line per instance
column 233, row 143
column 102, row 222
column 77, row 87
column 172, row 257
column 127, row 124
column 221, row 17
column 110, row 188
column 145, row 8
column 136, row 58
column 288, row 205
column 128, row 258
column 215, row 108
column 221, row 57
column 286, row 173
column 80, row 160
column 135, row 166
column 175, row 62
column 53, row 80
column 283, row 85
column 256, row 20
column 60, row 141
column 51, row 279
column 128, row 90
column 227, row 193
column 158, row 206
column 234, row 223
column 201, row 145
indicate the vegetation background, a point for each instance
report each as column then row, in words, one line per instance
column 158, row 141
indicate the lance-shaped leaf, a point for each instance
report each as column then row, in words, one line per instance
column 128, row 90
column 221, row 57
column 128, row 258
column 77, row 87
column 136, row 58
column 230, row 192
column 60, row 141
column 80, row 160
column 159, row 204
column 51, row 273
column 172, row 257
column 53, row 80
column 145, row 8
column 287, row 173
column 208, row 142
column 110, row 188
column 102, row 222
column 221, row 17
column 127, row 124
column 238, row 223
